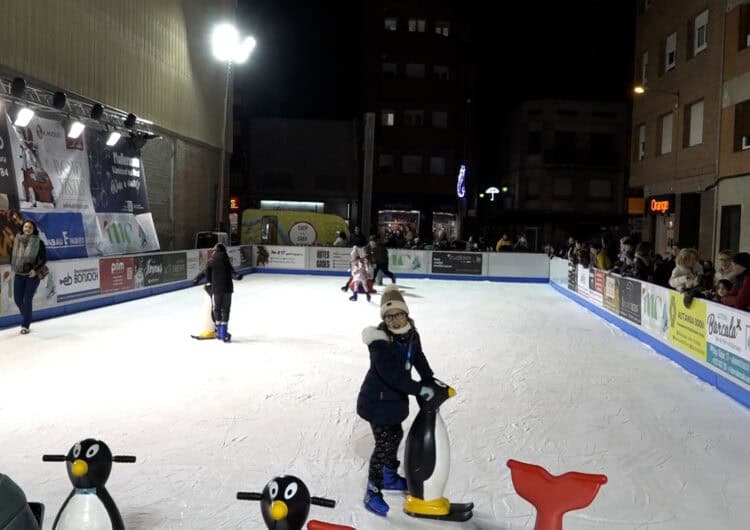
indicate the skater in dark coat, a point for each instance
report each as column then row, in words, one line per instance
column 219, row 274
column 380, row 256
column 383, row 399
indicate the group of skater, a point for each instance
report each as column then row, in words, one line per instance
column 367, row 263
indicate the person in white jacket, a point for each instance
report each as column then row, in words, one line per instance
column 687, row 272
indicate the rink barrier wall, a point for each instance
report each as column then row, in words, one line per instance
column 423, row 264
column 725, row 344
column 76, row 285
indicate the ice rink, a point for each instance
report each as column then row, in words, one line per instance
column 539, row 379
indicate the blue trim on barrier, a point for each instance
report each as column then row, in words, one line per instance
column 113, row 299
column 418, row 276
column 724, row 385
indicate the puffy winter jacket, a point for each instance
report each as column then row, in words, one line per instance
column 15, row 513
column 384, row 396
column 739, row 296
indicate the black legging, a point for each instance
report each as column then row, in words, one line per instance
column 387, row 440
column 383, row 267
column 222, row 305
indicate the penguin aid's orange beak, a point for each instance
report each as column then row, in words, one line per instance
column 451, row 391
column 278, row 510
column 79, row 468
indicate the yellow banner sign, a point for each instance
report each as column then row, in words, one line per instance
column 687, row 325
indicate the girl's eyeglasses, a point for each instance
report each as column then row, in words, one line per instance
column 395, row 316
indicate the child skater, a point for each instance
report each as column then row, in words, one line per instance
column 359, row 277
column 384, row 396
column 219, row 273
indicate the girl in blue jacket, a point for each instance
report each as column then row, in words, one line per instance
column 384, row 396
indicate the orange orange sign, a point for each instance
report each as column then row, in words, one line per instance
column 659, row 206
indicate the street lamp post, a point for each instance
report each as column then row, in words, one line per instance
column 228, row 48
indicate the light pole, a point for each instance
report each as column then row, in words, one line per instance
column 228, row 48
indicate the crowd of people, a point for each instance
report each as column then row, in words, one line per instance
column 682, row 269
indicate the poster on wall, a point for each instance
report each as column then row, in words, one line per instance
column 687, row 325
column 630, row 300
column 156, row 269
column 10, row 217
column 126, row 233
column 118, row 184
column 655, row 310
column 48, row 177
column 728, row 341
column 611, row 295
column 456, row 263
column 52, row 171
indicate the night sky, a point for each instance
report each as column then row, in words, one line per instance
column 306, row 63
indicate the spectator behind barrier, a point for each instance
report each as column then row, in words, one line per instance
column 739, row 296
column 724, row 269
column 687, row 272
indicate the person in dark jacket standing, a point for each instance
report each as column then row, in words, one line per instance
column 219, row 274
column 380, row 256
column 28, row 261
column 383, row 399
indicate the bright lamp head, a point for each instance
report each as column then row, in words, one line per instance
column 227, row 47
column 75, row 129
column 23, row 118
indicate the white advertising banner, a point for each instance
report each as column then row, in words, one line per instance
column 583, row 282
column 408, row 261
column 124, row 233
column 728, row 340
column 330, row 258
column 278, row 257
column 52, row 170
column 655, row 310
column 76, row 279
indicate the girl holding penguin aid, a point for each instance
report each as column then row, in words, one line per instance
column 395, row 348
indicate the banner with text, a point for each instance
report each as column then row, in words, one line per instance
column 630, row 300
column 280, row 257
column 456, row 263
column 76, row 279
column 331, row 258
column 687, row 325
column 117, row 274
column 728, row 341
column 611, row 295
column 655, row 310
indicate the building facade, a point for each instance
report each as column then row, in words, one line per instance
column 148, row 58
column 417, row 83
column 301, row 161
column 564, row 172
column 677, row 120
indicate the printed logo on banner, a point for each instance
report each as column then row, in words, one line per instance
column 302, row 233
column 62, row 232
column 116, row 274
column 630, row 300
column 654, row 307
column 594, row 293
column 333, row 258
column 77, row 279
column 687, row 325
column 149, row 270
column 582, row 284
column 572, row 276
column 405, row 261
column 281, row 257
column 726, row 341
column 456, row 263
column 611, row 297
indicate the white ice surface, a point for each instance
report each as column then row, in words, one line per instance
column 539, row 379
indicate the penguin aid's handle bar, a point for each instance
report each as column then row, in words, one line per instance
column 124, row 459
column 53, row 458
column 320, row 501
column 248, row 496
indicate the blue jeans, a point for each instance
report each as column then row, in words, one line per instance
column 24, row 288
